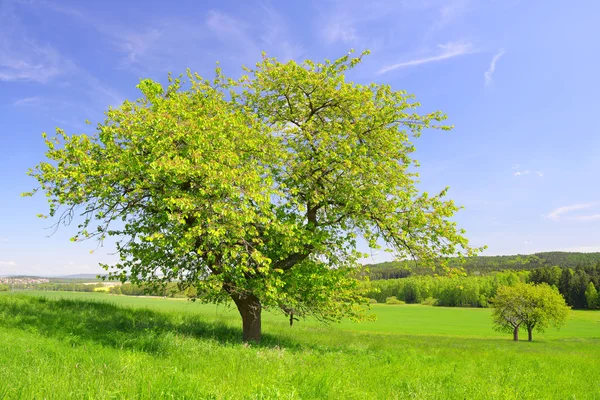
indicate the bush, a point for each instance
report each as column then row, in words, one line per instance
column 393, row 300
column 430, row 301
column 372, row 301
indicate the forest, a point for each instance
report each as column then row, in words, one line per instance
column 575, row 275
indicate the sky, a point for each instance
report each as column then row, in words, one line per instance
column 517, row 79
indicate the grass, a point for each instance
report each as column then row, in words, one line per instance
column 93, row 345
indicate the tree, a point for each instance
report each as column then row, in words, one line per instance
column 591, row 295
column 254, row 189
column 529, row 305
column 506, row 306
column 565, row 283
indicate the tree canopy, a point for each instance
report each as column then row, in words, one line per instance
column 528, row 305
column 254, row 189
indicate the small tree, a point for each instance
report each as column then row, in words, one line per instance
column 506, row 310
column 529, row 305
column 591, row 295
column 256, row 189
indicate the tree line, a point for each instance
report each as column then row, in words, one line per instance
column 578, row 286
column 458, row 291
column 483, row 265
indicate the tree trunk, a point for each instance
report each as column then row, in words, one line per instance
column 516, row 334
column 250, row 309
column 529, row 332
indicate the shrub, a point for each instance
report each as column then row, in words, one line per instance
column 372, row 301
column 393, row 300
column 430, row 301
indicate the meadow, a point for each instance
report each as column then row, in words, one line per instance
column 60, row 345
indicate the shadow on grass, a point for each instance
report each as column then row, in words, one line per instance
column 138, row 329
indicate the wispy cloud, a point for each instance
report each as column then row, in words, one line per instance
column 276, row 36
column 25, row 58
column 528, row 172
column 28, row 101
column 171, row 44
column 446, row 51
column 22, row 58
column 8, row 263
column 565, row 212
column 488, row 75
column 448, row 13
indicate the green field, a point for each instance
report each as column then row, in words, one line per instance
column 94, row 345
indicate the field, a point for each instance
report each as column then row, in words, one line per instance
column 94, row 345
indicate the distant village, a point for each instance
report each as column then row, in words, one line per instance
column 25, row 280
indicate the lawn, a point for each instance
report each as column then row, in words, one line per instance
column 94, row 345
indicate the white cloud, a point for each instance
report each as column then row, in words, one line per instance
column 447, row 51
column 24, row 59
column 8, row 263
column 339, row 30
column 171, row 44
column 488, row 75
column 591, row 217
column 564, row 213
column 528, row 172
column 28, row 101
column 276, row 36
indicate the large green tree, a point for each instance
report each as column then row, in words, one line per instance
column 254, row 189
column 529, row 305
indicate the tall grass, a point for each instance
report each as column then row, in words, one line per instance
column 87, row 346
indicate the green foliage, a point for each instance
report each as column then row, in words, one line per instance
column 571, row 283
column 529, row 305
column 4, row 287
column 457, row 291
column 256, row 188
column 393, row 300
column 430, row 301
column 72, row 287
column 591, row 296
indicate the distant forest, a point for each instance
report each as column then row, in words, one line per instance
column 483, row 265
column 575, row 275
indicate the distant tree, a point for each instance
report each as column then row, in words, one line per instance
column 528, row 305
column 255, row 190
column 564, row 284
column 579, row 284
column 507, row 306
column 591, row 296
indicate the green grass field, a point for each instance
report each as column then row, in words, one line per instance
column 94, row 345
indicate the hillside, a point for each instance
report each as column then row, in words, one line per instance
column 485, row 264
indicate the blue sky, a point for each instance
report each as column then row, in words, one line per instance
column 518, row 79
